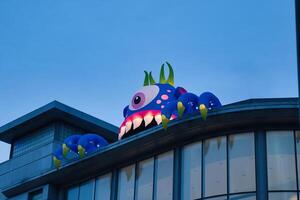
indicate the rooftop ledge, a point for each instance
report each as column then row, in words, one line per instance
column 243, row 116
column 56, row 111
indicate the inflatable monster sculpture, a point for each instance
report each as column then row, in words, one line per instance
column 161, row 102
column 78, row 145
column 152, row 105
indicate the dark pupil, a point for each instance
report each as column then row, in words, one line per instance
column 137, row 99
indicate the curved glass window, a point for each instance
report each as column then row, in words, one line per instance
column 86, row 190
column 247, row 196
column 126, row 183
column 282, row 196
column 215, row 166
column 164, row 176
column 103, row 186
column 145, row 179
column 241, row 163
column 191, row 171
column 297, row 138
column 217, row 198
column 281, row 160
column 73, row 193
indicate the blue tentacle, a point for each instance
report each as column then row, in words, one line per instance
column 89, row 143
column 58, row 156
column 209, row 100
column 70, row 144
column 190, row 102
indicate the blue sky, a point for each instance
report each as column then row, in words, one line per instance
column 91, row 54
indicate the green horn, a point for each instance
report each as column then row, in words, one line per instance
column 162, row 78
column 171, row 75
column 146, row 80
column 152, row 81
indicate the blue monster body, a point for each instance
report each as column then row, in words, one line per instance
column 152, row 105
column 161, row 102
column 89, row 143
column 80, row 145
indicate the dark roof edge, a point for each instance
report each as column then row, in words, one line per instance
column 49, row 112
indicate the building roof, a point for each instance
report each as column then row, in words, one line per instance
column 56, row 111
column 245, row 116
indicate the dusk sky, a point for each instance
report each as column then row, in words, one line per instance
column 91, row 55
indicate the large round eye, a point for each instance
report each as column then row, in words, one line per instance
column 143, row 97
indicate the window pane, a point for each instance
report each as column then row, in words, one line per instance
column 215, row 169
column 86, row 190
column 251, row 196
column 145, row 179
column 73, row 193
column 241, row 163
column 38, row 195
column 103, row 187
column 126, row 183
column 298, row 152
column 218, row 198
column 164, row 176
column 282, row 196
column 281, row 160
column 191, row 171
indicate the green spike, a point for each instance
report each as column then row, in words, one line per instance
column 165, row 121
column 65, row 150
column 180, row 108
column 162, row 78
column 146, row 80
column 152, row 81
column 171, row 75
column 81, row 151
column 203, row 111
column 56, row 162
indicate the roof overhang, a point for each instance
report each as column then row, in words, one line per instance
column 52, row 112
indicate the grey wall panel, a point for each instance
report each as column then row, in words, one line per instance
column 5, row 167
column 32, row 156
column 26, row 172
column 33, row 141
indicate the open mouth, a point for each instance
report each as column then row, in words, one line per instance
column 140, row 121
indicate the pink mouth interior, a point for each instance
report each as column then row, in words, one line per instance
column 141, row 114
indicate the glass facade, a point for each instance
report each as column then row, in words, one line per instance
column 86, row 190
column 283, row 160
column 191, row 171
column 37, row 195
column 241, row 162
column 103, row 187
column 126, row 183
column 144, row 185
column 215, row 166
column 95, row 189
column 215, row 169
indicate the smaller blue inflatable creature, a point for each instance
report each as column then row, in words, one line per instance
column 161, row 102
column 80, row 145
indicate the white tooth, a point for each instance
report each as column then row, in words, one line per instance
column 158, row 119
column 137, row 122
column 122, row 132
column 148, row 119
column 128, row 126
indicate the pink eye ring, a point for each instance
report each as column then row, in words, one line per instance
column 138, row 100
